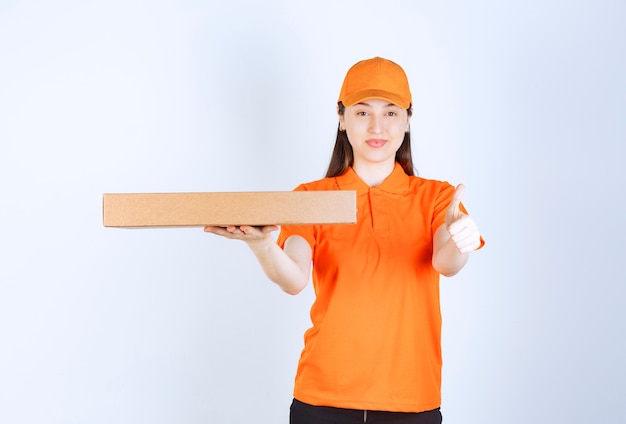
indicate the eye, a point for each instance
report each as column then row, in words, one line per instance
column 392, row 113
column 361, row 113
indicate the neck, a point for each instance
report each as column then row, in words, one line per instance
column 373, row 174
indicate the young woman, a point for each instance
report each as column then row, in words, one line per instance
column 373, row 353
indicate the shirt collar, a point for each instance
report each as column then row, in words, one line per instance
column 397, row 182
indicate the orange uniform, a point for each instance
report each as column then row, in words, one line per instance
column 375, row 343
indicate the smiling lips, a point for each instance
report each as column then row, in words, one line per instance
column 375, row 142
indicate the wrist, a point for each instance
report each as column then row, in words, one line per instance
column 260, row 243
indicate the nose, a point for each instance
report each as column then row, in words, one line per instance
column 375, row 123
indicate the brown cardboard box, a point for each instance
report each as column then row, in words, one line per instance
column 229, row 208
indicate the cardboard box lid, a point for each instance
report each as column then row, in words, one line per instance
column 229, row 208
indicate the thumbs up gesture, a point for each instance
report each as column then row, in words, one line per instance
column 462, row 229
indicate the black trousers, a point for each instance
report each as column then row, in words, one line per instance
column 303, row 413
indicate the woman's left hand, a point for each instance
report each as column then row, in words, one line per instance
column 461, row 227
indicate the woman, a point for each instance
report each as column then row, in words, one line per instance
column 373, row 353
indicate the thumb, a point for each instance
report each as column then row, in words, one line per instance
column 454, row 209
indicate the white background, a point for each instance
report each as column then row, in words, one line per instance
column 523, row 101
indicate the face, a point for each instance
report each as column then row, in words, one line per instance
column 375, row 130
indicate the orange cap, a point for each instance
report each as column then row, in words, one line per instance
column 376, row 78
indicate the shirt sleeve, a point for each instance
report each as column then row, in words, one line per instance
column 444, row 197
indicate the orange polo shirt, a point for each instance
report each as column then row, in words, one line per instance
column 375, row 343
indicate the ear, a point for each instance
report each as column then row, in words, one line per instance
column 341, row 124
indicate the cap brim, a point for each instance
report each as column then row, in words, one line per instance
column 393, row 98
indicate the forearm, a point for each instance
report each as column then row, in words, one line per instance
column 290, row 274
column 447, row 260
column 289, row 268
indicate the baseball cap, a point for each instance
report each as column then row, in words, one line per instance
column 376, row 78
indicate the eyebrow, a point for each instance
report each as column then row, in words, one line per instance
column 367, row 104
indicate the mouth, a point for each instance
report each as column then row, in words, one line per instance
column 375, row 142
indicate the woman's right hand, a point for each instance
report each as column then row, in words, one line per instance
column 247, row 233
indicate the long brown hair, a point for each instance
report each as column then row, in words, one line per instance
column 343, row 157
